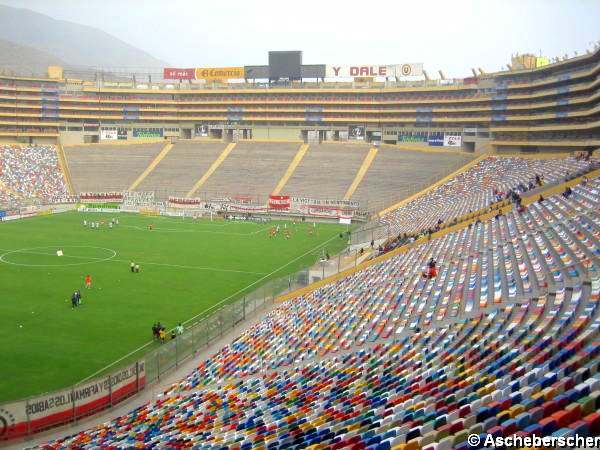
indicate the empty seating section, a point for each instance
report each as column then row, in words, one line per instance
column 108, row 168
column 397, row 174
column 504, row 340
column 474, row 189
column 30, row 172
column 326, row 171
column 252, row 168
column 181, row 168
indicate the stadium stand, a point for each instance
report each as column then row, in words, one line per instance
column 384, row 184
column 252, row 168
column 30, row 172
column 326, row 171
column 503, row 340
column 179, row 170
column 478, row 188
column 108, row 168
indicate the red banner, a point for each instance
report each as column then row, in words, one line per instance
column 170, row 73
column 279, row 202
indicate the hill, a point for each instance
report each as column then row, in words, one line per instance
column 16, row 59
column 77, row 45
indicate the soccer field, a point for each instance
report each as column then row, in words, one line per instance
column 186, row 267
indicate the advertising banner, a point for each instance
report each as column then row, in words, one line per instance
column 376, row 70
column 435, row 140
column 452, row 140
column 170, row 73
column 279, row 202
column 300, row 201
column 62, row 406
column 122, row 134
column 201, row 130
column 356, row 132
column 179, row 202
column 110, row 135
column 219, row 73
column 101, row 197
column 147, row 132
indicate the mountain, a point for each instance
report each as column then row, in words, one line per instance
column 76, row 45
column 22, row 60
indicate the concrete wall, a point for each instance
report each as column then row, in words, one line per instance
column 532, row 149
column 72, row 137
column 292, row 134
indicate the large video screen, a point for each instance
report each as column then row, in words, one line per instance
column 285, row 64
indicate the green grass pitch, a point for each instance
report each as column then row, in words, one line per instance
column 186, row 267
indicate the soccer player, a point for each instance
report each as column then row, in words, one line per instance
column 137, row 268
column 74, row 300
column 88, row 281
column 85, row 223
column 132, row 266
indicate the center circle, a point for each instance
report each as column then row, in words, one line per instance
column 105, row 255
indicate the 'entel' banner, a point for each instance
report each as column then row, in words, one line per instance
column 279, row 201
column 377, row 70
column 170, row 73
column 62, row 406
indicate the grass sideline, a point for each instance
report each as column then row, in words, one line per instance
column 186, row 267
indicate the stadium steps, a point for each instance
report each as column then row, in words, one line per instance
column 440, row 182
column 361, row 172
column 214, row 166
column 108, row 168
column 291, row 169
column 161, row 155
column 326, row 171
column 396, row 174
column 64, row 166
column 179, row 169
column 251, row 170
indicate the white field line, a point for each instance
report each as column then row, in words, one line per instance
column 211, row 308
column 213, row 269
column 174, row 230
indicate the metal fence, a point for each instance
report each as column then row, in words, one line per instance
column 145, row 366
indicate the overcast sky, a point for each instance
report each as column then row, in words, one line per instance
column 452, row 35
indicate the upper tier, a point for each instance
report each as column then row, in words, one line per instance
column 532, row 107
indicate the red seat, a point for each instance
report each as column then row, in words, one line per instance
column 562, row 418
column 593, row 420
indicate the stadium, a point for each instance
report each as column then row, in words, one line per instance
column 292, row 255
